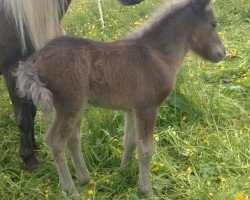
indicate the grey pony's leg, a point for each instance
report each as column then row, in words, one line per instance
column 57, row 139
column 25, row 112
column 145, row 122
column 129, row 140
column 74, row 145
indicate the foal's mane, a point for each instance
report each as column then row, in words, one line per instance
column 36, row 21
column 168, row 9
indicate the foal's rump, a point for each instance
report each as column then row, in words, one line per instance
column 58, row 68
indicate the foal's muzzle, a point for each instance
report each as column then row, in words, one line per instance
column 219, row 54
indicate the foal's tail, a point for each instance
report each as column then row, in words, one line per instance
column 29, row 86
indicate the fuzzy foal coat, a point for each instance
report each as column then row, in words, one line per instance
column 109, row 75
column 134, row 74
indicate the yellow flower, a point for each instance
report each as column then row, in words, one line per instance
column 155, row 169
column 206, row 141
column 184, row 118
column 157, row 166
column 180, row 174
column 46, row 194
column 223, row 179
column 119, row 151
column 189, row 170
column 222, row 67
column 247, row 166
column 91, row 182
column 137, row 23
column 211, row 194
column 156, row 138
column 239, row 196
column 90, row 192
column 190, row 152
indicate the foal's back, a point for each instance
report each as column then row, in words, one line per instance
column 109, row 75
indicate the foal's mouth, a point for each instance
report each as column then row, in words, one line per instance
column 219, row 55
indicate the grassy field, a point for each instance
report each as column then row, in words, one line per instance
column 202, row 137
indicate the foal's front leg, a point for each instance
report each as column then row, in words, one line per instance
column 145, row 122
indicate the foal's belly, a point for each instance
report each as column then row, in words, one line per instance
column 109, row 101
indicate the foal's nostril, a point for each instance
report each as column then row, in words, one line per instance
column 219, row 56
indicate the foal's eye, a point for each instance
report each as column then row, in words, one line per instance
column 214, row 25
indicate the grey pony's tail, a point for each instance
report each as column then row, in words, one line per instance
column 29, row 86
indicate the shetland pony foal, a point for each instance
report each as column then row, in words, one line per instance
column 135, row 75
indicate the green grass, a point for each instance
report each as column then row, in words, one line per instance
column 203, row 128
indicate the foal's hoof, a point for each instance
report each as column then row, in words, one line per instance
column 75, row 196
column 85, row 181
column 31, row 164
column 146, row 192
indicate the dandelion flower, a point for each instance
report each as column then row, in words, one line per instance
column 239, row 196
column 161, row 164
column 90, row 192
column 156, row 138
column 189, row 170
column 184, row 118
column 46, row 193
column 223, row 179
column 180, row 174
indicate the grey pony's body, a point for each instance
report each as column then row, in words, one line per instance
column 17, row 42
column 135, row 75
column 26, row 25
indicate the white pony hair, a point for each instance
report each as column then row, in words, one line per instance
column 163, row 11
column 37, row 18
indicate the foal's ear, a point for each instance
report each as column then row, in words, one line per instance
column 199, row 6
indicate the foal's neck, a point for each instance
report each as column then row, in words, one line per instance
column 170, row 36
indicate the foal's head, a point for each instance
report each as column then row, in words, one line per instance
column 205, row 40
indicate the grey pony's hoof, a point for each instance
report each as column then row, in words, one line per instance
column 31, row 164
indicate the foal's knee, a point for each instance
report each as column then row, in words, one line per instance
column 145, row 148
column 54, row 145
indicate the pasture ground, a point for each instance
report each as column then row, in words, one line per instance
column 202, row 137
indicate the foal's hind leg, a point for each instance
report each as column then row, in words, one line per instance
column 25, row 112
column 57, row 139
column 145, row 122
column 129, row 140
column 74, row 145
